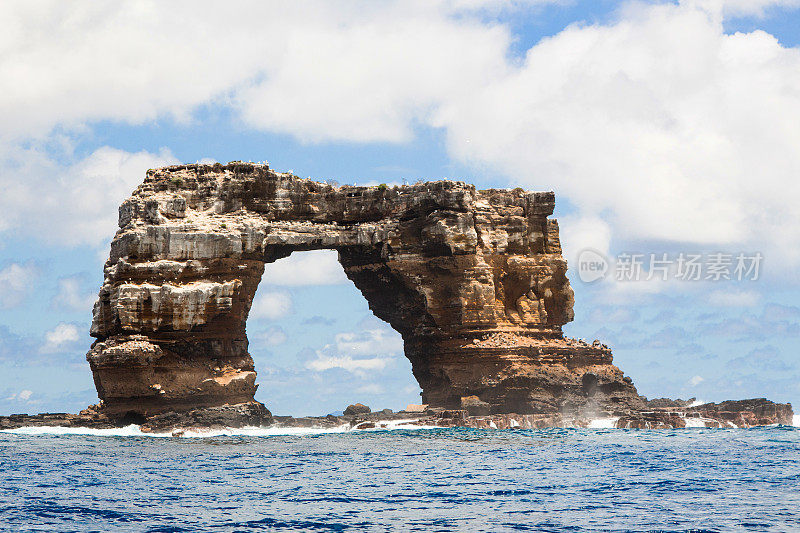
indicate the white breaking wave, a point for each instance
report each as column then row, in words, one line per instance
column 135, row 431
column 796, row 421
column 694, row 422
column 128, row 431
column 599, row 423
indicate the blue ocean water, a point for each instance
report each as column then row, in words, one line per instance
column 405, row 480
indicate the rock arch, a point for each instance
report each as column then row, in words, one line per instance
column 473, row 280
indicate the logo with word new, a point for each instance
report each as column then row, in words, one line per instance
column 592, row 266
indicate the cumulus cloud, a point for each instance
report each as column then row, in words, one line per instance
column 16, row 281
column 72, row 296
column 317, row 267
column 21, row 396
column 373, row 341
column 361, row 352
column 696, row 380
column 579, row 233
column 271, row 305
column 382, row 70
column 327, row 362
column 69, row 204
column 60, row 338
column 739, row 8
column 354, row 70
column 656, row 126
column 659, row 123
column 272, row 336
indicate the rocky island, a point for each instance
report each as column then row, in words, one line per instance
column 473, row 280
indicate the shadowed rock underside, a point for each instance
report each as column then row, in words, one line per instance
column 473, row 280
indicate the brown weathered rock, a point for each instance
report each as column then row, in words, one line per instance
column 732, row 413
column 473, row 280
column 660, row 403
column 357, row 409
column 252, row 414
column 746, row 413
column 90, row 417
column 474, row 406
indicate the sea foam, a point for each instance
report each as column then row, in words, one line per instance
column 134, row 430
column 599, row 423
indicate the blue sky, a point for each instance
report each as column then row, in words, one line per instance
column 663, row 127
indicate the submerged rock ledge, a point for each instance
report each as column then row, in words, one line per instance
column 473, row 280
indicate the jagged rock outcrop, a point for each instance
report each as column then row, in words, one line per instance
column 728, row 414
column 666, row 413
column 473, row 280
column 357, row 409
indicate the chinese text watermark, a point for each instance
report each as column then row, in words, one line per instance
column 717, row 266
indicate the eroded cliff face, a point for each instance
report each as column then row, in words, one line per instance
column 473, row 280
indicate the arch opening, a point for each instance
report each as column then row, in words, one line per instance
column 316, row 345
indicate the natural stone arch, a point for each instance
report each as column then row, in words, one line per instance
column 473, row 280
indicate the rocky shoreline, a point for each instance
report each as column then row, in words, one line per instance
column 659, row 414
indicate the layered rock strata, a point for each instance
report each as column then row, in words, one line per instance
column 473, row 280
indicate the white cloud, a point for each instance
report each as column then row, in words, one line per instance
column 733, row 298
column 60, row 337
column 22, row 396
column 317, row 267
column 660, row 124
column 16, row 281
column 740, row 8
column 579, row 233
column 369, row 350
column 370, row 342
column 271, row 305
column 71, row 296
column 317, row 70
column 68, row 62
column 273, row 336
column 696, row 380
column 74, row 203
column 497, row 5
column 370, row 74
column 346, row 362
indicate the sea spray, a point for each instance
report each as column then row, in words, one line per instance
column 134, row 430
column 601, row 423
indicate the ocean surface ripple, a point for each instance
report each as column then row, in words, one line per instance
column 405, row 480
